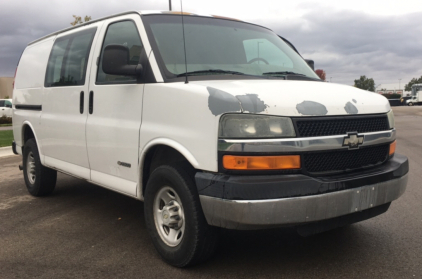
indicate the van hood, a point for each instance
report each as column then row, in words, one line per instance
column 290, row 98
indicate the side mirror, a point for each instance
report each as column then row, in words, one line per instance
column 310, row 63
column 116, row 61
column 9, row 106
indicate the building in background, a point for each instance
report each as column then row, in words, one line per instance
column 6, row 87
column 392, row 88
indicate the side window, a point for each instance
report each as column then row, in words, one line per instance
column 262, row 51
column 1, row 104
column 68, row 59
column 7, row 104
column 121, row 33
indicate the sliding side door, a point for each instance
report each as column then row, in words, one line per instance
column 65, row 100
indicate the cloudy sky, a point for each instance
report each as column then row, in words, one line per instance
column 379, row 39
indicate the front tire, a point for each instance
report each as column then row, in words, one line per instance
column 174, row 217
column 410, row 104
column 39, row 180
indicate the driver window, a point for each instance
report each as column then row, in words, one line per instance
column 121, row 33
column 262, row 51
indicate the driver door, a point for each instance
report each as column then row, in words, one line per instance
column 114, row 120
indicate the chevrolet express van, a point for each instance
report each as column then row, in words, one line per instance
column 239, row 133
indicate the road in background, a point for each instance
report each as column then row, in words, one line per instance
column 83, row 230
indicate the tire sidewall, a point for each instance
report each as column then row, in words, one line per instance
column 167, row 176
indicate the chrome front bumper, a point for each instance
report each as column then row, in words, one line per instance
column 257, row 214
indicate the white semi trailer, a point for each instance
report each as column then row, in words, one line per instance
column 416, row 96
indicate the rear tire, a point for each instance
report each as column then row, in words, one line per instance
column 39, row 180
column 174, row 217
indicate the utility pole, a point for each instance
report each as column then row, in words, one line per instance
column 399, row 83
column 169, row 5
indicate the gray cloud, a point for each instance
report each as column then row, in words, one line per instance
column 346, row 44
column 24, row 21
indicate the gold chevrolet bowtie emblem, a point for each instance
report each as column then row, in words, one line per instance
column 353, row 140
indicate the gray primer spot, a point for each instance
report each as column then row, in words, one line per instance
column 251, row 103
column 354, row 101
column 311, row 108
column 350, row 108
column 220, row 101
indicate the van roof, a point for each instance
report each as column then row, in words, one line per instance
column 131, row 12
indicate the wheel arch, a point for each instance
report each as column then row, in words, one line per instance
column 158, row 152
column 28, row 132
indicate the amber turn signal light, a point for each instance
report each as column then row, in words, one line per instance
column 393, row 148
column 231, row 162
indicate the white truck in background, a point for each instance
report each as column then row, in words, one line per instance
column 6, row 107
column 416, row 97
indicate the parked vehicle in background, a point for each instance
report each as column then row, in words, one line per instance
column 6, row 107
column 416, row 95
column 240, row 133
column 414, row 100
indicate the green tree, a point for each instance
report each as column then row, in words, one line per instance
column 365, row 83
column 78, row 20
column 408, row 87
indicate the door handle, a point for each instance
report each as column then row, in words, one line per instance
column 91, row 102
column 81, row 102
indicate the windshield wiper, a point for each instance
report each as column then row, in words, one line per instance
column 283, row 73
column 211, row 71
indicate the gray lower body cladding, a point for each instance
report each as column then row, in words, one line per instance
column 297, row 199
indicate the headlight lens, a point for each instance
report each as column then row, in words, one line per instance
column 255, row 126
column 390, row 116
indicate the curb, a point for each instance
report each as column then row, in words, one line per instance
column 6, row 151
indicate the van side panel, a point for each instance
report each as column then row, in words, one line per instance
column 178, row 113
column 32, row 66
column 29, row 83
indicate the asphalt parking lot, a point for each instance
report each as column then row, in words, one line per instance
column 85, row 231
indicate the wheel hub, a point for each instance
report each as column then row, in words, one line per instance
column 30, row 168
column 169, row 216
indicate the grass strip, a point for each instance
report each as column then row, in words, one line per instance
column 6, row 138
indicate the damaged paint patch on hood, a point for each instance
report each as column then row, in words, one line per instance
column 287, row 98
column 220, row 102
column 311, row 108
column 351, row 108
column 251, row 103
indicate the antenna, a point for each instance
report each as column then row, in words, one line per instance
column 184, row 42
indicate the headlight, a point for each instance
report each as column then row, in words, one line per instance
column 255, row 126
column 390, row 116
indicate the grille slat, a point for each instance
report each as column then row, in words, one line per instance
column 344, row 160
column 318, row 127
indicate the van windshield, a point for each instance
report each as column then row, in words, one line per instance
column 220, row 47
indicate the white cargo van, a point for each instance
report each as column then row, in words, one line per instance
column 239, row 134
